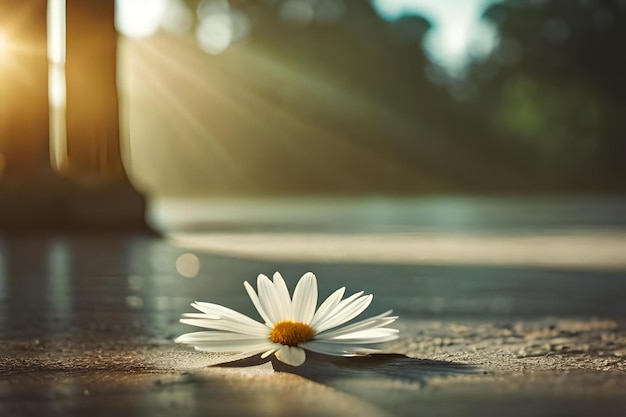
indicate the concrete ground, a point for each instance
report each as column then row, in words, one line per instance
column 87, row 326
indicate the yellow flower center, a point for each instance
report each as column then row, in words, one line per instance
column 291, row 333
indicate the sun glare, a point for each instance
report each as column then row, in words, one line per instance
column 4, row 46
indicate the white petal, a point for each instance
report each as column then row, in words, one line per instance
column 370, row 323
column 225, row 342
column 252, row 346
column 337, row 349
column 222, row 312
column 338, row 307
column 241, row 322
column 269, row 352
column 328, row 305
column 258, row 330
column 290, row 355
column 257, row 304
column 269, row 298
column 344, row 313
column 204, row 313
column 305, row 298
column 283, row 295
column 333, row 349
column 369, row 336
column 205, row 337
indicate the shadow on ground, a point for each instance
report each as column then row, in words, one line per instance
column 381, row 367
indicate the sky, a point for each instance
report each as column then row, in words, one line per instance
column 458, row 33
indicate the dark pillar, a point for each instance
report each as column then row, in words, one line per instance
column 93, row 144
column 94, row 159
column 92, row 192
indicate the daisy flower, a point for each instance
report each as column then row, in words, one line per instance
column 290, row 324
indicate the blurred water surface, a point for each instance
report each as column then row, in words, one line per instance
column 140, row 285
column 370, row 214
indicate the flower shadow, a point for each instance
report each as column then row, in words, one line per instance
column 378, row 367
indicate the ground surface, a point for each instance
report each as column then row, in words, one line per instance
column 87, row 323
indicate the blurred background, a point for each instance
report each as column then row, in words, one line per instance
column 292, row 98
column 463, row 160
column 381, row 96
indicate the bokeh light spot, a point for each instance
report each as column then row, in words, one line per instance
column 207, row 8
column 298, row 12
column 134, row 302
column 214, row 34
column 139, row 18
column 178, row 17
column 240, row 25
column 188, row 265
column 219, row 26
column 135, row 282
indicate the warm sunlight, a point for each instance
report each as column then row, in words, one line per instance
column 3, row 45
column 5, row 50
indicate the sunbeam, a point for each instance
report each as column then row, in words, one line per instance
column 230, row 121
